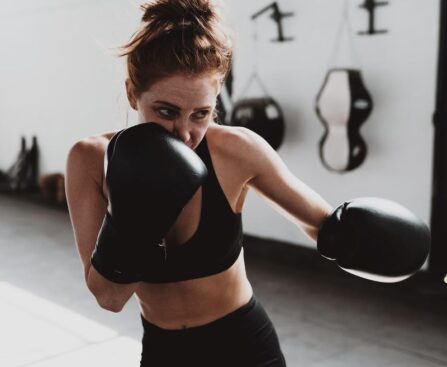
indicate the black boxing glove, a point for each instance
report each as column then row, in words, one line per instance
column 376, row 239
column 151, row 175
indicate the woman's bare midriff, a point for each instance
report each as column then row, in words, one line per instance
column 195, row 302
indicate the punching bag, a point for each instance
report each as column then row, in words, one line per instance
column 343, row 104
column 261, row 115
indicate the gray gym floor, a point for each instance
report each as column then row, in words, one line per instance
column 323, row 317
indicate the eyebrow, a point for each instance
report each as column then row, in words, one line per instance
column 178, row 108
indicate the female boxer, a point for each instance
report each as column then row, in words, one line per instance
column 197, row 305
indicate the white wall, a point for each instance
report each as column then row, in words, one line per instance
column 59, row 78
column 58, row 81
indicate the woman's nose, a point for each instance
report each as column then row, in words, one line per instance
column 182, row 132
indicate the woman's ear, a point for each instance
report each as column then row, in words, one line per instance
column 131, row 95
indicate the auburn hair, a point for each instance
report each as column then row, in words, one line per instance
column 177, row 36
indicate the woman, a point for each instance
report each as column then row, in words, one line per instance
column 177, row 63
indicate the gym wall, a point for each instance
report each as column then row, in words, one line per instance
column 399, row 69
column 61, row 82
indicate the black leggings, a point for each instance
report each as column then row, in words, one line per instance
column 244, row 338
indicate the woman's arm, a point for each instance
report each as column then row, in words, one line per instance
column 87, row 206
column 271, row 179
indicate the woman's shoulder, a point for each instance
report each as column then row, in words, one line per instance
column 243, row 148
column 88, row 154
column 232, row 139
column 92, row 145
column 237, row 142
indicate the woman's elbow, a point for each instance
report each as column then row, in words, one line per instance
column 104, row 295
column 107, row 300
column 110, row 304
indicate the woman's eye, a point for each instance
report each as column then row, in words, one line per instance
column 201, row 114
column 165, row 112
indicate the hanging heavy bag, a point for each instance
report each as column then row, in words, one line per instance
column 261, row 115
column 343, row 105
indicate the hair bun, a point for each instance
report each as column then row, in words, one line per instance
column 178, row 13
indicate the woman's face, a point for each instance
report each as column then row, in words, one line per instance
column 184, row 105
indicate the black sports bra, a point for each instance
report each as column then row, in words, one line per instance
column 215, row 245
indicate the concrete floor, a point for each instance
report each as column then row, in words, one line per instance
column 323, row 318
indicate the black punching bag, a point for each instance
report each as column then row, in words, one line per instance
column 261, row 115
column 343, row 104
